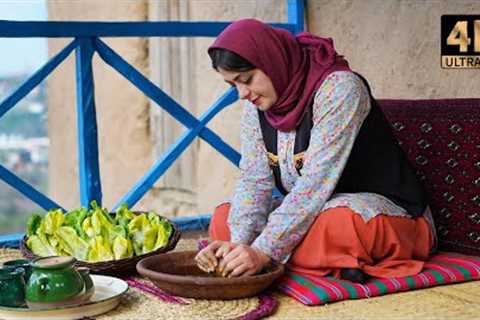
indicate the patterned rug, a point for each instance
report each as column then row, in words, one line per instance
column 440, row 269
column 443, row 268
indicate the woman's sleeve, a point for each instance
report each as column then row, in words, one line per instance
column 253, row 192
column 340, row 107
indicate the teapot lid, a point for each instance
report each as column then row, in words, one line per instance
column 53, row 262
column 9, row 273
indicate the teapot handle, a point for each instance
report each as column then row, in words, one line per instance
column 87, row 279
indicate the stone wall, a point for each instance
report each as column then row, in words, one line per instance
column 395, row 44
column 216, row 176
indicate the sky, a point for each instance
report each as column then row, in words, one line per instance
column 22, row 55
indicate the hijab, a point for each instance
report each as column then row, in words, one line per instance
column 296, row 64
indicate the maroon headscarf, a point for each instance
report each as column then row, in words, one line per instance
column 296, row 65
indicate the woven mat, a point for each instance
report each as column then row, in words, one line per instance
column 459, row 301
column 138, row 304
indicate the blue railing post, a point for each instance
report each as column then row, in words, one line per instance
column 89, row 174
column 176, row 150
column 86, row 43
column 296, row 11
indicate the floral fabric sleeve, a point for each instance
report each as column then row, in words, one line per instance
column 253, row 193
column 340, row 106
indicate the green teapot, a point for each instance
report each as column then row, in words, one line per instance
column 20, row 263
column 56, row 282
column 12, row 287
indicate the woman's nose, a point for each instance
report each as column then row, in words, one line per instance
column 243, row 91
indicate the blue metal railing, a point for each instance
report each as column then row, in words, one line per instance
column 86, row 43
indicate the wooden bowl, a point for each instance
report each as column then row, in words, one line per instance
column 177, row 273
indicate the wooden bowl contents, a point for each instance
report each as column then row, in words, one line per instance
column 177, row 273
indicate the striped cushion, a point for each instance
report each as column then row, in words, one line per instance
column 442, row 268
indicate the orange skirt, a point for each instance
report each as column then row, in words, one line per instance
column 339, row 238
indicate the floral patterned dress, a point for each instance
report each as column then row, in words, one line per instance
column 277, row 225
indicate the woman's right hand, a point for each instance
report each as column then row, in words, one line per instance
column 207, row 259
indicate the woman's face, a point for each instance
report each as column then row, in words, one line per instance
column 254, row 86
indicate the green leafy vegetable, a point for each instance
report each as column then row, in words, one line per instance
column 33, row 224
column 164, row 232
column 122, row 248
column 75, row 219
column 40, row 247
column 88, row 228
column 72, row 243
column 95, row 235
column 100, row 250
column 52, row 221
column 123, row 216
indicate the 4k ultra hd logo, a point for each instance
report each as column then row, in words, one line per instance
column 461, row 41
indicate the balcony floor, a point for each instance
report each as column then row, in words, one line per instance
column 458, row 301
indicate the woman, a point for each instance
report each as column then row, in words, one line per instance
column 351, row 206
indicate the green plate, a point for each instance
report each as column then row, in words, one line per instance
column 108, row 291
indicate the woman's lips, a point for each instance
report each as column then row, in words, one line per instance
column 256, row 100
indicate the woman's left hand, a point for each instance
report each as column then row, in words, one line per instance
column 243, row 260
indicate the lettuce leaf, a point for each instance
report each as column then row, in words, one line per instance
column 99, row 250
column 40, row 247
column 72, row 243
column 94, row 235
column 33, row 224
column 75, row 220
column 122, row 248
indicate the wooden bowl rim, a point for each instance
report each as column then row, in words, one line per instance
column 204, row 281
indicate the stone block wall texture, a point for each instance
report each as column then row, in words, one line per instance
column 394, row 44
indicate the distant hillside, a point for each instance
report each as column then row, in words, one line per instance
column 29, row 117
column 26, row 120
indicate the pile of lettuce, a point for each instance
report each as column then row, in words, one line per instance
column 94, row 235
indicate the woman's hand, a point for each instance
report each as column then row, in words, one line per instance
column 242, row 260
column 207, row 259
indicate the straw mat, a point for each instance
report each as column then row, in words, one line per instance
column 458, row 301
column 455, row 301
column 139, row 304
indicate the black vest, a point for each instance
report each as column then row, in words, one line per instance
column 376, row 162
